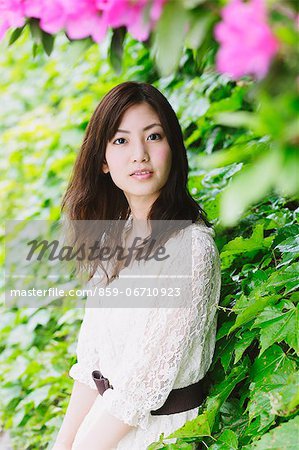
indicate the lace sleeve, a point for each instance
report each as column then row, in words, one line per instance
column 152, row 363
column 87, row 351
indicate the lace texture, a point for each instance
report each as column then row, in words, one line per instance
column 147, row 352
column 87, row 351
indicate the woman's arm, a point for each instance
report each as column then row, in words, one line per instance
column 104, row 433
column 81, row 400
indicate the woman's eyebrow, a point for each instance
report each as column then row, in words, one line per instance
column 144, row 129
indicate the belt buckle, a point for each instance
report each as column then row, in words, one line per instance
column 101, row 382
column 106, row 383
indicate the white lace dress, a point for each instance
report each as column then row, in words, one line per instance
column 147, row 352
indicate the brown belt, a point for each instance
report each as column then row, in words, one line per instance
column 179, row 400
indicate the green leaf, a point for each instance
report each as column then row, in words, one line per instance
column 290, row 250
column 272, row 362
column 259, row 407
column 37, row 396
column 228, row 440
column 239, row 152
column 34, row 49
column 283, row 437
column 157, row 445
column 116, row 48
column 200, row 23
column 268, row 374
column 285, row 400
column 75, row 52
column 16, row 34
column 161, row 444
column 192, row 3
column 169, row 37
column 35, row 30
column 198, row 427
column 225, row 351
column 255, row 304
column 287, row 278
column 278, row 325
column 221, row 392
column 245, row 339
column 48, row 42
column 242, row 245
column 179, row 446
column 236, row 119
column 9, row 393
column 231, row 103
column 288, row 180
column 223, row 330
column 290, row 245
column 250, row 185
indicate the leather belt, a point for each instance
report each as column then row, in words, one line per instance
column 178, row 400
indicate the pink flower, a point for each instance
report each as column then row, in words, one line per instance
column 247, row 42
column 132, row 14
column 80, row 19
column 11, row 15
column 33, row 8
column 83, row 18
column 126, row 13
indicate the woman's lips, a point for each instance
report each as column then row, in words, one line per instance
column 142, row 176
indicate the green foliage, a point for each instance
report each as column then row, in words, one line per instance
column 284, row 437
column 253, row 400
column 184, row 33
column 172, row 23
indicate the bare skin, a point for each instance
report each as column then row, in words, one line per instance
column 81, row 400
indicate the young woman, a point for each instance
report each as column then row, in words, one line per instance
column 146, row 354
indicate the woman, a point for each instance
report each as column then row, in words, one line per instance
column 145, row 353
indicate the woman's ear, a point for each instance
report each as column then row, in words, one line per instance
column 105, row 167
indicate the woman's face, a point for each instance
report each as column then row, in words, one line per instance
column 139, row 143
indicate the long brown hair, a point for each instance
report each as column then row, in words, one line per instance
column 92, row 194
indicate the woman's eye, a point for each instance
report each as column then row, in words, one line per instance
column 119, row 139
column 155, row 134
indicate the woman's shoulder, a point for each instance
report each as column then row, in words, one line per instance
column 195, row 236
column 193, row 243
column 200, row 226
column 199, row 240
column 203, row 239
column 198, row 231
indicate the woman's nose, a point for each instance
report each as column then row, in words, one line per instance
column 139, row 152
